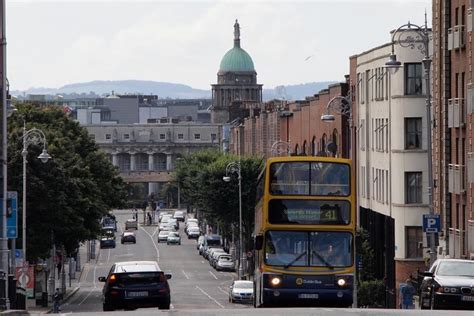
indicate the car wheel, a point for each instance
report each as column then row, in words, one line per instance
column 135, row 242
column 179, row 243
column 107, row 308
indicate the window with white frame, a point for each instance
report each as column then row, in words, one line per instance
column 197, row 136
column 413, row 133
column 180, row 136
column 108, row 136
column 162, row 136
column 126, row 136
column 413, row 79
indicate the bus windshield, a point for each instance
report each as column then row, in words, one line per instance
column 308, row 249
column 310, row 178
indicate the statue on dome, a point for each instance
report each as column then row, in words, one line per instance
column 236, row 30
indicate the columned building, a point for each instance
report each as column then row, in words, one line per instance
column 236, row 81
column 147, row 153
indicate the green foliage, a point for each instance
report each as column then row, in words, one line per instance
column 200, row 177
column 371, row 293
column 69, row 194
column 366, row 255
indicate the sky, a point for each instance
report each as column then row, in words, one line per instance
column 54, row 43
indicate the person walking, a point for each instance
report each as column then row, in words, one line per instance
column 57, row 297
column 407, row 291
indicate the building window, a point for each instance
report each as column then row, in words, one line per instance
column 162, row 136
column 180, row 136
column 92, row 136
column 413, row 133
column 108, row 136
column 413, row 239
column 197, row 136
column 413, row 79
column 413, row 187
column 126, row 136
column 213, row 137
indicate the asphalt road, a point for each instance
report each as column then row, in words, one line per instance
column 195, row 285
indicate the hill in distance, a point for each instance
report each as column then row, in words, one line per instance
column 169, row 90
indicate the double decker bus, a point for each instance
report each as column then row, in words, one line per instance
column 305, row 221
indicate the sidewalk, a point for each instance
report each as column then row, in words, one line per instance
column 72, row 285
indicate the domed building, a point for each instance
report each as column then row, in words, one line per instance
column 236, row 81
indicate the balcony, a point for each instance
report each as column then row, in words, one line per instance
column 456, row 183
column 456, row 113
column 456, row 37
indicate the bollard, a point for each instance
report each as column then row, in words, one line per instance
column 3, row 298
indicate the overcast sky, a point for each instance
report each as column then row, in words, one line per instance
column 53, row 43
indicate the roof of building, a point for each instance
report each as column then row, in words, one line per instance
column 236, row 59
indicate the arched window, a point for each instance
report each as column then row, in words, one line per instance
column 141, row 162
column 124, row 161
column 313, row 146
column 297, row 149
column 323, row 143
column 304, row 148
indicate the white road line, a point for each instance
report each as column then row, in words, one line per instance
column 187, row 277
column 153, row 241
column 213, row 275
column 108, row 255
column 210, row 297
column 171, row 306
column 156, row 230
column 220, row 289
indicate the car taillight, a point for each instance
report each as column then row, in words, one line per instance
column 162, row 277
column 112, row 279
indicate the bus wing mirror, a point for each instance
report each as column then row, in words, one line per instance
column 258, row 245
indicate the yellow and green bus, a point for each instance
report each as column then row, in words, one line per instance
column 305, row 221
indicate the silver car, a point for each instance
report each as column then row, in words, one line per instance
column 173, row 238
column 241, row 291
column 163, row 236
column 225, row 262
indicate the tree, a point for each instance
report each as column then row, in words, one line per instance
column 67, row 196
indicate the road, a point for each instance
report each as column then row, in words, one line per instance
column 194, row 283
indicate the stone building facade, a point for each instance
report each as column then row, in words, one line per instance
column 147, row 153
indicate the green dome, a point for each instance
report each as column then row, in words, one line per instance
column 236, row 59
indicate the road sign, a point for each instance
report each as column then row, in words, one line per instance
column 12, row 214
column 431, row 223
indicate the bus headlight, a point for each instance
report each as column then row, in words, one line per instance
column 341, row 282
column 275, row 280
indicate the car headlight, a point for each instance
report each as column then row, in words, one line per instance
column 447, row 290
column 275, row 280
column 341, row 282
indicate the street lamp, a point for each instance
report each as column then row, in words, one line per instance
column 421, row 35
column 179, row 159
column 279, row 147
column 234, row 167
column 33, row 136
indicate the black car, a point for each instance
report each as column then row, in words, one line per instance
column 449, row 284
column 107, row 242
column 128, row 237
column 135, row 284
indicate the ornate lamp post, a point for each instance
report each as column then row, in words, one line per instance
column 234, row 167
column 280, row 147
column 33, row 136
column 412, row 35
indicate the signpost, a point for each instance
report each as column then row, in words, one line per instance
column 431, row 223
column 12, row 215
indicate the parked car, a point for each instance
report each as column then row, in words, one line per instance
column 173, row 238
column 174, row 222
column 107, row 242
column 199, row 242
column 194, row 232
column 189, row 225
column 162, row 213
column 449, row 284
column 241, row 291
column 163, row 236
column 214, row 256
column 131, row 223
column 128, row 236
column 135, row 284
column 225, row 263
column 179, row 215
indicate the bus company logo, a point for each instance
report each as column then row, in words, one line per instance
column 301, row 281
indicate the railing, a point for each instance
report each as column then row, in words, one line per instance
column 456, row 37
column 456, row 179
column 456, row 113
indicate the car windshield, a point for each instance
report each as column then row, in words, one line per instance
column 243, row 285
column 225, row 258
column 172, row 234
column 136, row 268
column 315, row 249
column 164, row 233
column 456, row 268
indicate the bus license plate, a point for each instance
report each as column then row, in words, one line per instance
column 467, row 298
column 137, row 294
column 306, row 296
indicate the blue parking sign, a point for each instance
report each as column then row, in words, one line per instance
column 431, row 223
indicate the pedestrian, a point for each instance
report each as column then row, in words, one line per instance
column 57, row 297
column 149, row 218
column 407, row 291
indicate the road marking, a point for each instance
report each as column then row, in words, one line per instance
column 213, row 275
column 210, row 297
column 153, row 241
column 220, row 289
column 108, row 255
column 171, row 306
column 156, row 230
column 185, row 275
column 93, row 289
